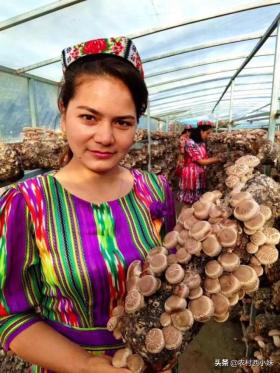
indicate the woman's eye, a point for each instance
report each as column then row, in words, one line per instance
column 87, row 117
column 123, row 123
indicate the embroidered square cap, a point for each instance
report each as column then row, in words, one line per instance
column 118, row 46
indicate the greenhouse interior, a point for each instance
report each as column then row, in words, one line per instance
column 204, row 295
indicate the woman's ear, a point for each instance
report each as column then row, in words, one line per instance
column 62, row 113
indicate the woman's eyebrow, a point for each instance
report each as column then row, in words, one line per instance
column 93, row 111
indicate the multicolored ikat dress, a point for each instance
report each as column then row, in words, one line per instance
column 63, row 259
column 192, row 183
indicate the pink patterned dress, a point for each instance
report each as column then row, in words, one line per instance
column 192, row 183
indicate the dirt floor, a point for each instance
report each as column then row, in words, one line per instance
column 215, row 341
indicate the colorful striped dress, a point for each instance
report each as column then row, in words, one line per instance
column 192, row 183
column 63, row 259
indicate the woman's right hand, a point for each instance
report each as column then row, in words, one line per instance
column 101, row 364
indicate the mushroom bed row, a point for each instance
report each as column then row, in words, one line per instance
column 200, row 268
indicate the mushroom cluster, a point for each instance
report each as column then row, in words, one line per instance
column 10, row 163
column 42, row 148
column 197, row 274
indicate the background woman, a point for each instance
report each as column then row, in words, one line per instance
column 192, row 183
column 67, row 238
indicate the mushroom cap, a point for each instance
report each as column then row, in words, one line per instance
column 266, row 211
column 211, row 246
column 257, row 269
column 221, row 304
column 246, row 276
column 192, row 246
column 213, row 269
column 182, row 290
column 174, row 273
column 231, row 181
column 201, row 209
column 147, row 285
column 234, row 299
column 171, row 259
column 134, row 269
column 251, row 248
column 241, row 294
column 248, row 159
column 178, row 227
column 212, row 285
column 200, row 230
column 175, row 303
column 202, row 308
column 211, row 196
column 135, row 363
column 238, row 197
column 267, row 254
column 183, row 235
column 165, row 319
column 183, row 256
column 154, row 341
column 246, row 210
column 229, row 284
column 256, row 223
column 120, row 357
column 173, row 337
column 249, row 232
column 274, row 332
column 157, row 250
column 195, row 293
column 239, row 170
column 182, row 320
column 171, row 240
column 252, row 288
column 272, row 235
column 190, row 221
column 255, row 261
column 133, row 301
column 192, row 279
column 158, row 263
column 184, row 214
column 222, row 318
column 229, row 261
column 227, row 237
column 215, row 212
column 258, row 238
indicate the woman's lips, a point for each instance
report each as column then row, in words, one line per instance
column 101, row 155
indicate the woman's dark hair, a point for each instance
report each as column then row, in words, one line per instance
column 105, row 64
column 185, row 131
column 196, row 133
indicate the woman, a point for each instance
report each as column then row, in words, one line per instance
column 67, row 238
column 192, row 183
column 185, row 135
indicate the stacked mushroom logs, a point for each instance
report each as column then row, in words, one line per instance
column 175, row 290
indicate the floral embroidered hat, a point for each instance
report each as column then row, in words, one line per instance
column 118, row 46
column 205, row 123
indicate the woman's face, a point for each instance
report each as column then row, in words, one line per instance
column 205, row 134
column 100, row 122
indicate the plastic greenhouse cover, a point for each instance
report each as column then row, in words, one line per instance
column 213, row 48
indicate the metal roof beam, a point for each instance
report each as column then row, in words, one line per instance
column 234, row 9
column 36, row 13
column 35, row 77
column 205, row 74
column 218, row 60
column 206, row 81
column 264, row 38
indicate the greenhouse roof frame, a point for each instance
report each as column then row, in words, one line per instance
column 171, row 61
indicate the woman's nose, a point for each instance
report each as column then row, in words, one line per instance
column 104, row 133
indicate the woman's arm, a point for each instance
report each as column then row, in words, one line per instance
column 42, row 345
column 208, row 161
